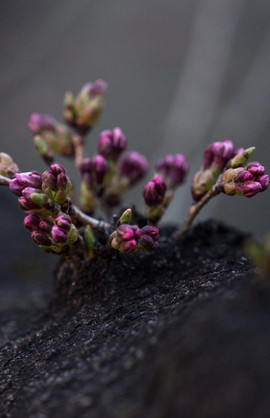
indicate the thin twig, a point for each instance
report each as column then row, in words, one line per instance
column 76, row 213
column 4, row 181
column 193, row 212
column 78, row 142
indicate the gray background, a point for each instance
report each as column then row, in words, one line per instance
column 181, row 73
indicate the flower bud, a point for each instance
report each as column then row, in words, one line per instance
column 64, row 222
column 56, row 184
column 255, row 168
column 149, row 237
column 125, row 238
column 154, row 191
column 111, row 144
column 58, row 235
column 31, row 222
column 202, row 182
column 40, row 238
column 264, row 181
column 7, row 166
column 125, row 217
column 22, row 180
column 83, row 112
column 173, row 169
column 133, row 166
column 57, row 136
column 217, row 155
column 99, row 169
column 46, row 225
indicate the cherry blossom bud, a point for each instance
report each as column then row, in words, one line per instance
column 45, row 225
column 111, row 144
column 56, row 184
column 202, row 182
column 58, row 235
column 41, row 238
column 173, row 169
column 7, row 166
column 57, row 136
column 31, row 222
column 83, row 112
column 217, row 155
column 133, row 166
column 99, row 169
column 149, row 237
column 64, row 222
column 22, row 180
column 154, row 191
column 255, row 168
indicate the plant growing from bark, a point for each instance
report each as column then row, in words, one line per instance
column 57, row 224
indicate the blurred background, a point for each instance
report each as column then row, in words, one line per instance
column 181, row 74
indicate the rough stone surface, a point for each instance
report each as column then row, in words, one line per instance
column 181, row 332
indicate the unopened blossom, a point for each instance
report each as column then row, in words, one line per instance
column 173, row 169
column 83, row 111
column 154, row 191
column 112, row 143
column 133, row 166
column 57, row 136
column 22, row 180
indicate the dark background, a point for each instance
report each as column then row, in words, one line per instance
column 181, row 73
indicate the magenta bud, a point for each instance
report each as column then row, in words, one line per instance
column 154, row 191
column 58, row 235
column 255, row 168
column 128, row 246
column 22, row 180
column 62, row 181
column 98, row 87
column 38, row 123
column 249, row 188
column 64, row 222
column 31, row 222
column 57, row 169
column 149, row 238
column 264, row 181
column 133, row 166
column 173, row 168
column 46, row 225
column 112, row 143
column 243, row 176
column 26, row 204
column 49, row 180
column 40, row 238
column 218, row 154
column 99, row 168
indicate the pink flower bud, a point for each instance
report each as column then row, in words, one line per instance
column 255, row 168
column 149, row 237
column 45, row 225
column 264, row 181
column 154, row 191
column 64, row 222
column 58, row 235
column 38, row 123
column 22, row 180
column 111, row 144
column 249, row 188
column 57, row 169
column 173, row 168
column 99, row 168
column 133, row 166
column 217, row 155
column 31, row 222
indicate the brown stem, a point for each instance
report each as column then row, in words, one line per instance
column 193, row 212
column 77, row 214
column 4, row 181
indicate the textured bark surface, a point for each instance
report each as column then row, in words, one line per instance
column 180, row 332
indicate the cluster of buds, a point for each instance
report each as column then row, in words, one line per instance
column 158, row 192
column 42, row 197
column 7, row 166
column 216, row 157
column 51, row 137
column 83, row 111
column 111, row 144
column 245, row 181
column 51, row 234
column 130, row 238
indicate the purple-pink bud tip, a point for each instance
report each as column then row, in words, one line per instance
column 154, row 191
column 112, row 143
column 58, row 235
column 173, row 168
column 38, row 123
column 134, row 166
